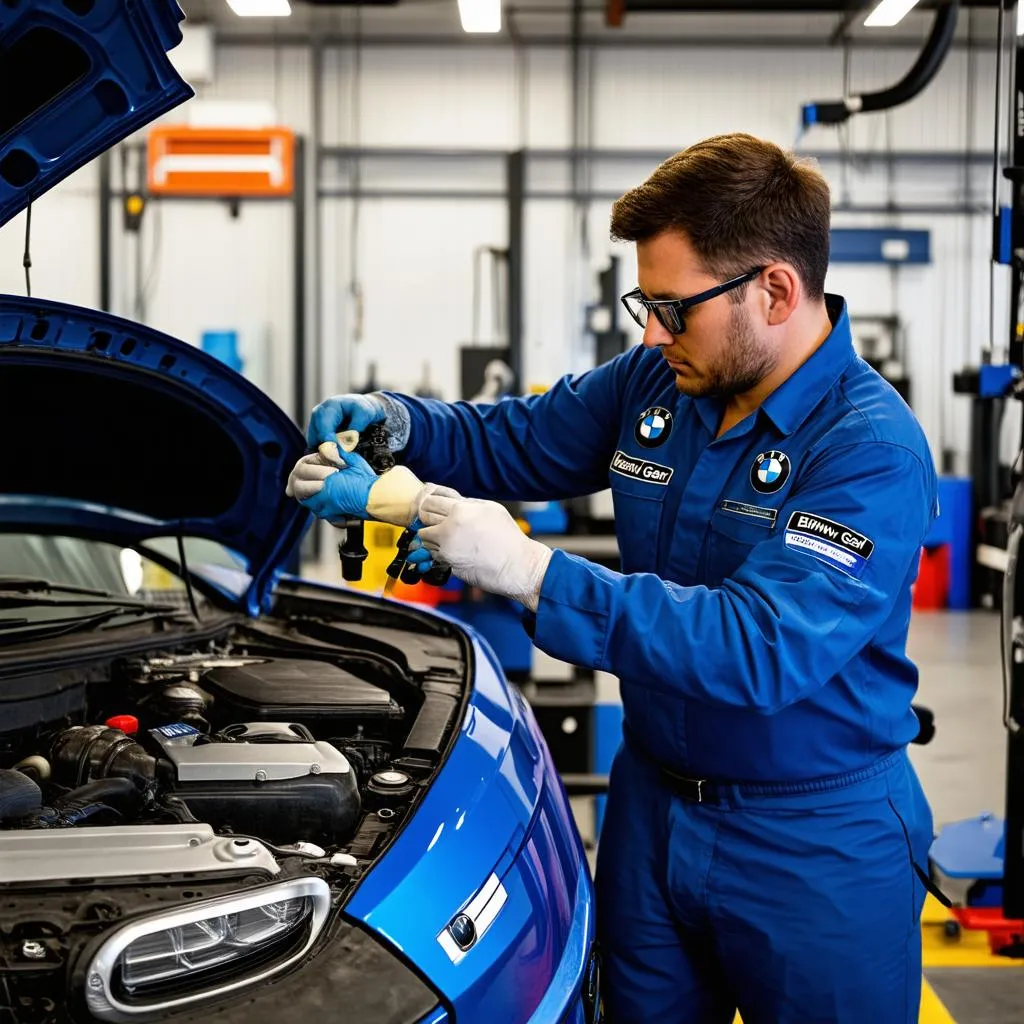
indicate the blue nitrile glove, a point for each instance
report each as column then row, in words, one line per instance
column 418, row 555
column 331, row 493
column 343, row 412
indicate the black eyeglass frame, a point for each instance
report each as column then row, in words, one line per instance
column 671, row 313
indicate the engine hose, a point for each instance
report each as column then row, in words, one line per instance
column 19, row 795
column 925, row 68
column 112, row 796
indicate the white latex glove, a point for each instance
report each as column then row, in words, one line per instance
column 484, row 546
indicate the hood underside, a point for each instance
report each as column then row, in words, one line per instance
column 77, row 76
column 116, row 431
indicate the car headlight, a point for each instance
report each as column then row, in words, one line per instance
column 181, row 956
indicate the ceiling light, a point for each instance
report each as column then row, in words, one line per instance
column 260, row 8
column 1020, row 19
column 480, row 15
column 889, row 12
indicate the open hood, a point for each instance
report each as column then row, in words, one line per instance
column 116, row 431
column 77, row 76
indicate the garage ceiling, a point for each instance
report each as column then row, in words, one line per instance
column 550, row 22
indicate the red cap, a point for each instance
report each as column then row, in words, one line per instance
column 126, row 723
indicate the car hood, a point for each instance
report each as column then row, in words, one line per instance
column 76, row 77
column 116, row 431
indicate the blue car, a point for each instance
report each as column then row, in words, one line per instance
column 227, row 794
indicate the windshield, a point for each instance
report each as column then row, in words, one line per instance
column 114, row 570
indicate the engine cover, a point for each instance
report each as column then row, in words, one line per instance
column 264, row 781
column 198, row 758
column 283, row 688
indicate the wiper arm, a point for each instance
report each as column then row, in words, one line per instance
column 123, row 603
column 24, row 592
column 27, row 584
column 13, row 630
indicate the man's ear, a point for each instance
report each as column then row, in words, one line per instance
column 781, row 291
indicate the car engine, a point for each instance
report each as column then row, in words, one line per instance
column 292, row 751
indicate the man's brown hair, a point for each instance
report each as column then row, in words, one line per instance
column 742, row 202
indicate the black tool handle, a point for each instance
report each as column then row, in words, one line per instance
column 352, row 551
column 438, row 575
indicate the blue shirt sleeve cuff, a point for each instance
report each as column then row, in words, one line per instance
column 572, row 614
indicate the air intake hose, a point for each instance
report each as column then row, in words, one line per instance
column 109, row 799
column 920, row 75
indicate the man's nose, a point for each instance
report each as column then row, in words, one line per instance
column 655, row 333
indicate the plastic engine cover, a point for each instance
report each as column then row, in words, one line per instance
column 280, row 792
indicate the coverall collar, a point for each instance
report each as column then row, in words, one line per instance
column 794, row 400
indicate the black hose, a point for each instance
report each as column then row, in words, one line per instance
column 114, row 791
column 111, row 797
column 925, row 68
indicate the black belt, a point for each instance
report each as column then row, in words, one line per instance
column 700, row 791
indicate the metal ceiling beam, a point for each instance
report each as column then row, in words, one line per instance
column 774, row 6
column 609, row 41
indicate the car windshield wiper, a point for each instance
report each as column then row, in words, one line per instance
column 14, row 630
column 24, row 592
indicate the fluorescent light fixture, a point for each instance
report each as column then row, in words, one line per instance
column 260, row 8
column 889, row 12
column 1020, row 19
column 480, row 15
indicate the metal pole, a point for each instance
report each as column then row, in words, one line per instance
column 1013, row 858
column 515, row 179
column 299, row 285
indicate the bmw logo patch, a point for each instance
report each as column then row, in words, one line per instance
column 653, row 427
column 770, row 472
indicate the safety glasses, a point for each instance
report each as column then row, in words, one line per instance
column 671, row 313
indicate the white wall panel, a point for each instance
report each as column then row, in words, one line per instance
column 216, row 272
column 427, row 97
column 415, row 269
column 65, row 240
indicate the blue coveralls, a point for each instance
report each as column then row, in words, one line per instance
column 758, row 628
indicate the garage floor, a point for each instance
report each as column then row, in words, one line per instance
column 963, row 773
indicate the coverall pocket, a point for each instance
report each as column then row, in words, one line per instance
column 918, row 842
column 637, row 524
column 730, row 541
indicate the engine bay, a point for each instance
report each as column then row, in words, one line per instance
column 303, row 735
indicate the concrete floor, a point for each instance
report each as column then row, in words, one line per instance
column 963, row 769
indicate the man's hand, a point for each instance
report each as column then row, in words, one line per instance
column 483, row 545
column 356, row 413
column 338, row 486
column 330, row 492
column 343, row 412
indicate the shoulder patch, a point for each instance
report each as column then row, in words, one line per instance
column 829, row 542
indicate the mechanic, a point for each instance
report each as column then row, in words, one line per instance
column 766, row 838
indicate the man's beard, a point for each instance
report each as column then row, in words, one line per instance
column 743, row 363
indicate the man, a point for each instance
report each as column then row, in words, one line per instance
column 766, row 838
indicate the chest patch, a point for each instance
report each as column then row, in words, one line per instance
column 829, row 542
column 653, row 427
column 638, row 469
column 770, row 472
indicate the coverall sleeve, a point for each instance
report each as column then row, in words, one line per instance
column 542, row 448
column 785, row 622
